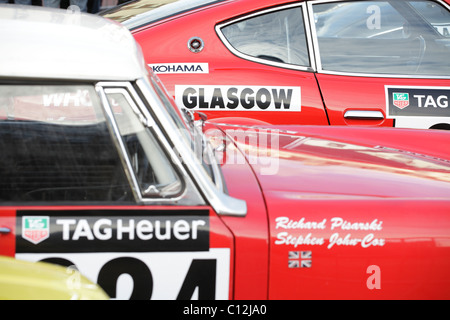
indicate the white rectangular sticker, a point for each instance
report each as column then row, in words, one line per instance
column 179, row 68
column 238, row 98
column 151, row 275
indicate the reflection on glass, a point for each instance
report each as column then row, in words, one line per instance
column 385, row 37
column 278, row 36
column 151, row 167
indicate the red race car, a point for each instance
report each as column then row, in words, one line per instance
column 377, row 63
column 101, row 172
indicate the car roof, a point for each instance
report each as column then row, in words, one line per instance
column 134, row 14
column 44, row 43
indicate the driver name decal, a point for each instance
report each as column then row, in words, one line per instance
column 238, row 98
column 331, row 233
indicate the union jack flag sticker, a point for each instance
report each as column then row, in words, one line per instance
column 300, row 259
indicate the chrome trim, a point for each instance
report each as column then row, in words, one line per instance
column 114, row 129
column 382, row 75
column 218, row 178
column 137, row 107
column 363, row 114
column 222, row 203
column 239, row 54
column 194, row 49
column 5, row 230
column 141, row 110
column 315, row 46
column 309, row 38
column 313, row 39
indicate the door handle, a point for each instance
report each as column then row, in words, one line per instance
column 364, row 114
column 5, row 230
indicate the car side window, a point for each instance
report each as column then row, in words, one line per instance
column 277, row 36
column 153, row 171
column 55, row 146
column 383, row 37
column 435, row 14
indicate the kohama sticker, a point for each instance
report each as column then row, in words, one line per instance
column 238, row 98
column 35, row 229
column 417, row 101
column 179, row 68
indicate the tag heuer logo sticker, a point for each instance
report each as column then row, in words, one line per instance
column 400, row 100
column 413, row 101
column 35, row 229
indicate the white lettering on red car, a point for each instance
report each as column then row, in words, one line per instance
column 293, row 233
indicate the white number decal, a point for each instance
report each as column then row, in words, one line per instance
column 159, row 276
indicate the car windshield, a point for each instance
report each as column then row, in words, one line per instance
column 141, row 12
column 55, row 146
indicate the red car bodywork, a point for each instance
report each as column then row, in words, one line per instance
column 310, row 188
column 325, row 97
column 332, row 212
column 340, row 219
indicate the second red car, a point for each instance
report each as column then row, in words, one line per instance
column 377, row 63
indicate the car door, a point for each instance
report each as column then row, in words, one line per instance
column 358, row 250
column 355, row 222
column 383, row 62
column 89, row 181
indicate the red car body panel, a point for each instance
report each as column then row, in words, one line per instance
column 351, row 214
column 325, row 97
column 8, row 239
column 332, row 212
column 416, row 264
column 410, row 139
column 339, row 214
column 227, row 68
column 251, row 233
column 367, row 94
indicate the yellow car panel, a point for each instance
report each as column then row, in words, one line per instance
column 22, row 280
